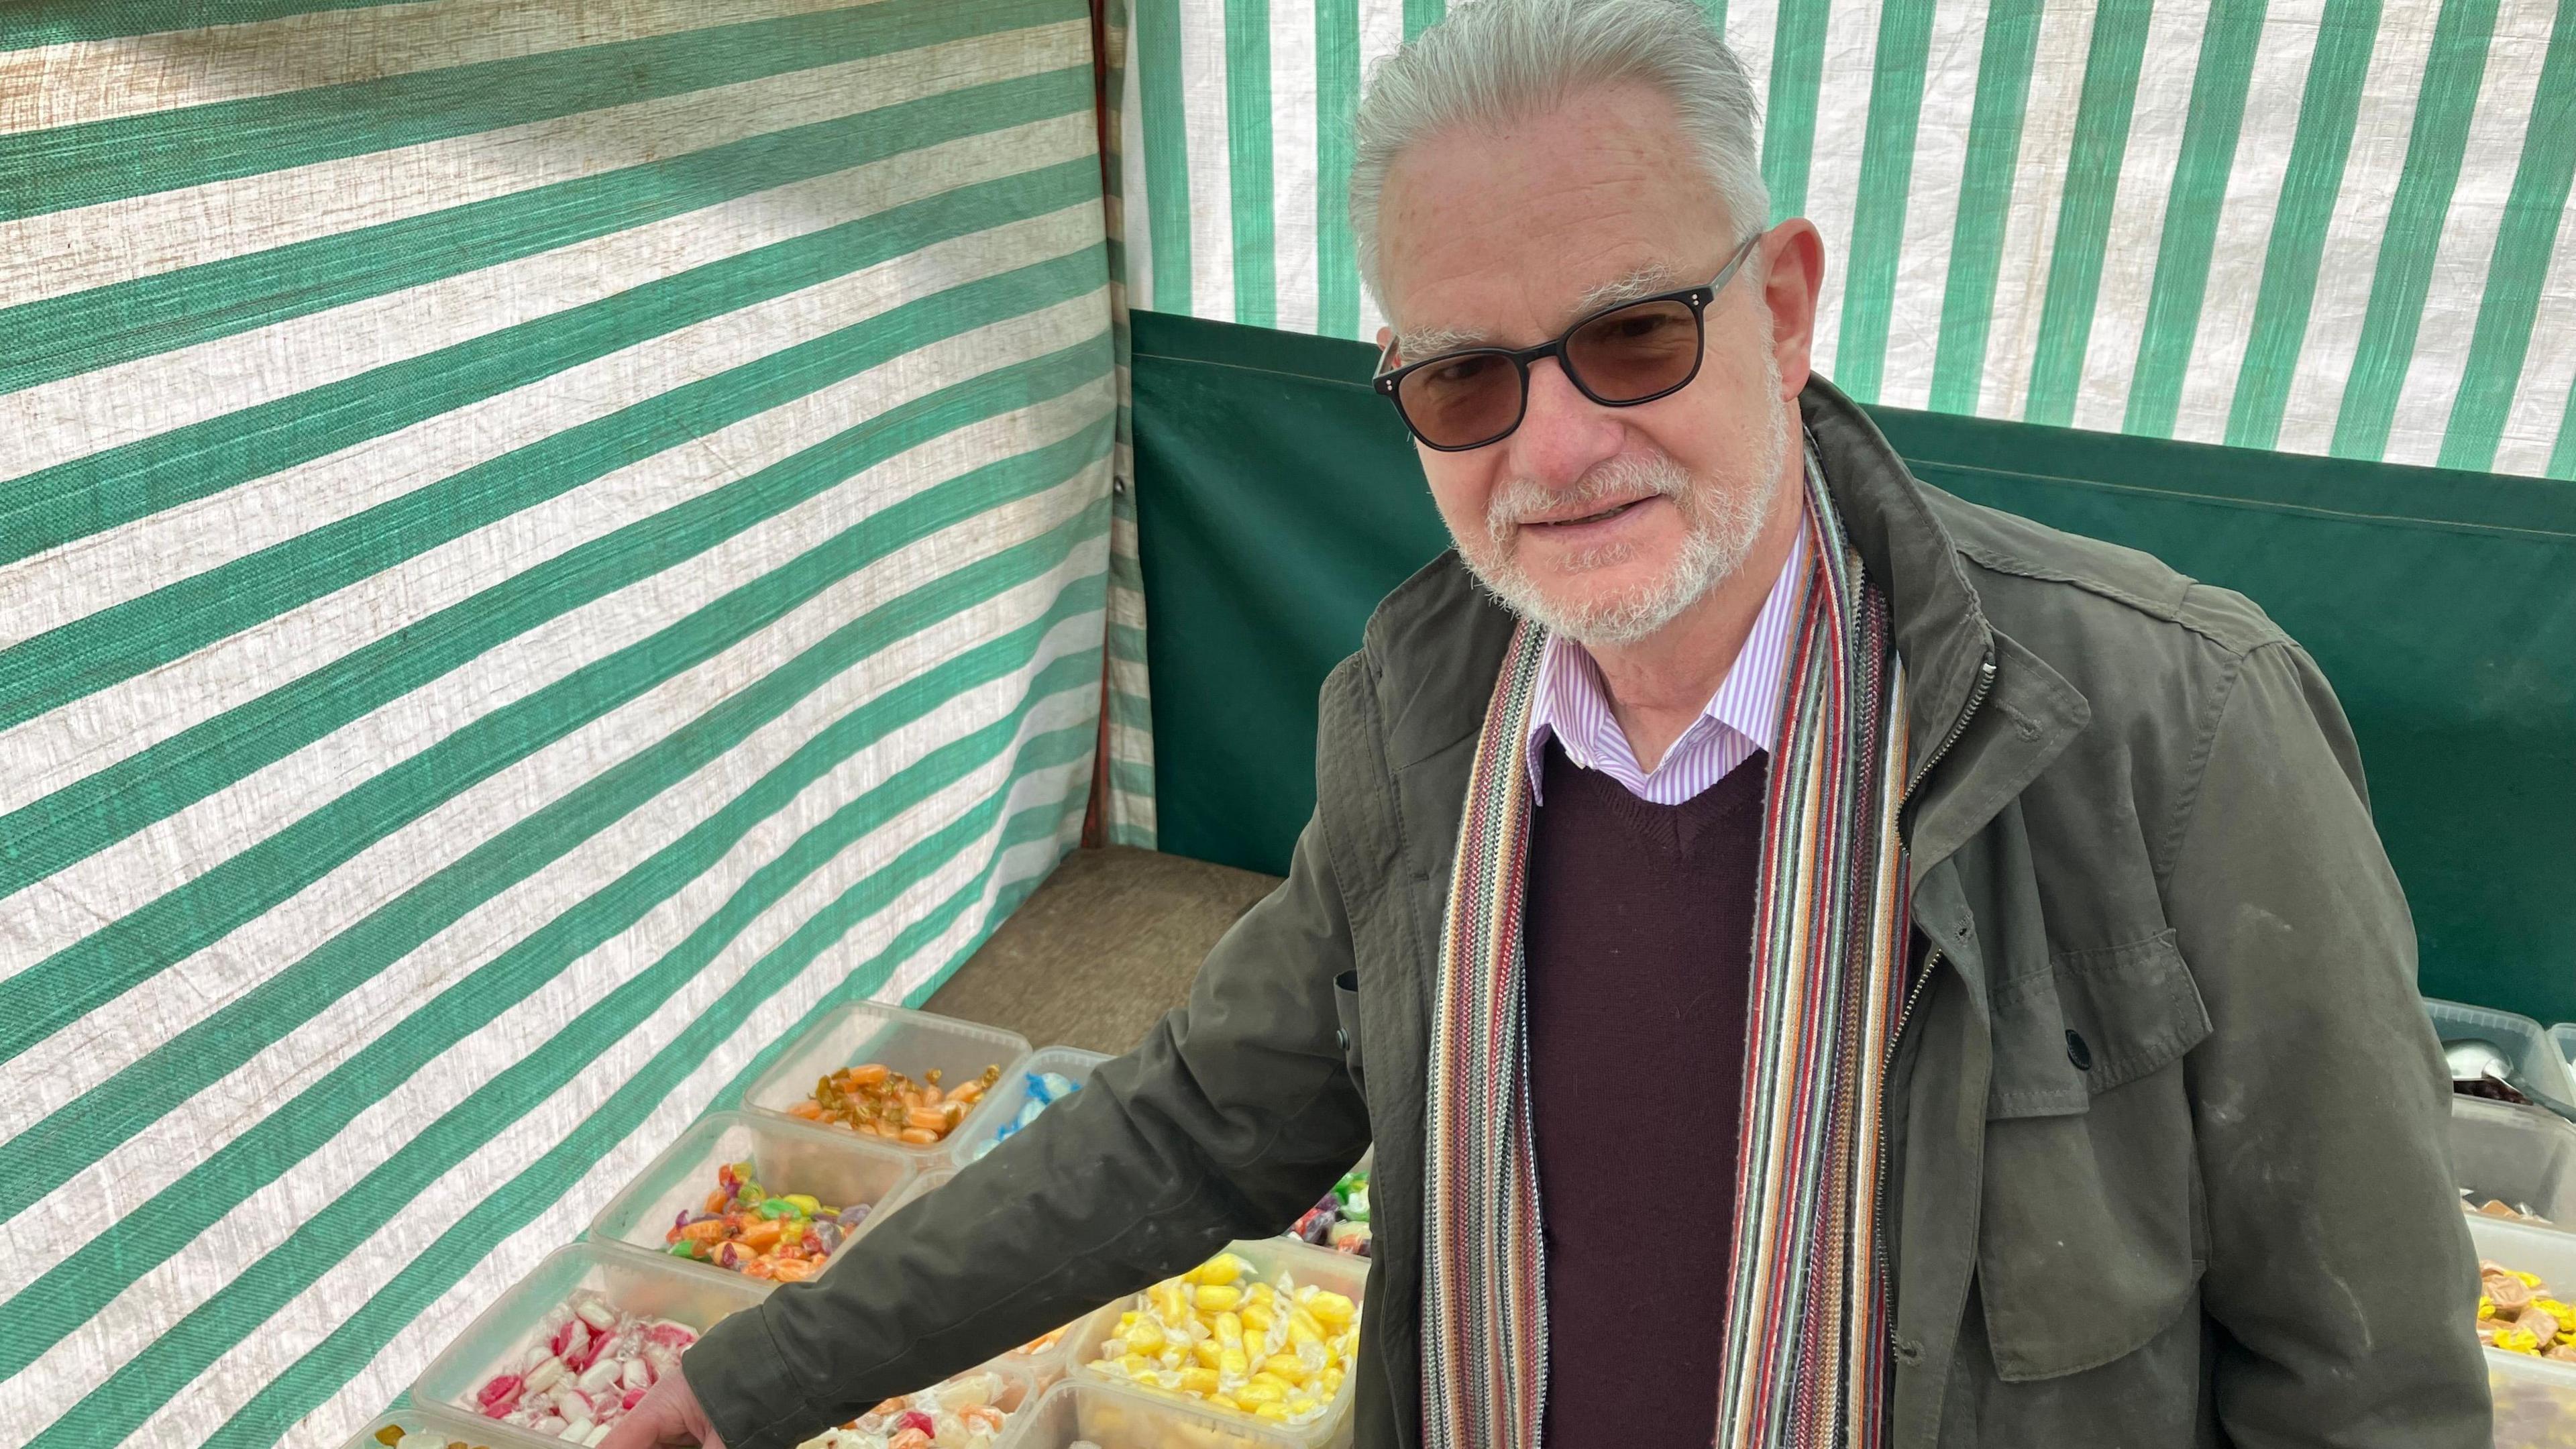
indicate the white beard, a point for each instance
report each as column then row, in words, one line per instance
column 1723, row 518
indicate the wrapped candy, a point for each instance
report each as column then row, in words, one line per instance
column 743, row 1227
column 963, row 1413
column 1277, row 1351
column 1045, row 1089
column 1340, row 1219
column 589, row 1365
column 877, row 1101
column 395, row 1436
column 2517, row 1314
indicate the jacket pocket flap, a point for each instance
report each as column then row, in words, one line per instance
column 2093, row 1021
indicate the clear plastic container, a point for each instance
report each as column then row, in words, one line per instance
column 450, row 1429
column 2563, row 1037
column 2535, row 1399
column 1018, row 1393
column 632, row 1283
column 1116, row 1418
column 1341, row 1273
column 1012, row 1093
column 786, row 1156
column 2524, row 1155
column 910, row 1042
column 2538, row 1068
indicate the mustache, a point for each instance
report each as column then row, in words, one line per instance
column 1522, row 498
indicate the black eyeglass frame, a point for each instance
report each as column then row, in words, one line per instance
column 1696, row 298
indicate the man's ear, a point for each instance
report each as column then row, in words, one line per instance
column 1793, row 272
column 1385, row 344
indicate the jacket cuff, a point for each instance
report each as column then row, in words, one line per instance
column 744, row 1383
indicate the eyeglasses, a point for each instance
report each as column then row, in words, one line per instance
column 1619, row 357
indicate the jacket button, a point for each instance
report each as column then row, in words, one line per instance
column 1342, row 1038
column 1909, row 1351
column 2078, row 1053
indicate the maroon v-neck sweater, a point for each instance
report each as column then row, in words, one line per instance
column 1638, row 931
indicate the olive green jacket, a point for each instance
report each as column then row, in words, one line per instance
column 2166, row 1120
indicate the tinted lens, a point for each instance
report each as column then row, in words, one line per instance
column 1636, row 352
column 1461, row 401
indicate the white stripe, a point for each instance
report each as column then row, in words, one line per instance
column 1135, row 206
column 2498, row 130
column 1751, row 31
column 2348, row 264
column 1204, row 126
column 1932, row 203
column 1833, row 174
column 155, row 1302
column 220, row 1254
column 409, row 1351
column 1296, row 206
column 2136, row 233
column 115, row 241
column 90, row 733
column 53, row 1072
column 83, row 81
column 2030, row 227
column 2245, row 222
column 56, row 422
column 1381, row 34
column 2548, row 370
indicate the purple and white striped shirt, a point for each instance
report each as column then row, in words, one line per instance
column 1743, row 716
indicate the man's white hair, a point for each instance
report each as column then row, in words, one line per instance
column 1497, row 60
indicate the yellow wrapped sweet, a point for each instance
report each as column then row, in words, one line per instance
column 1278, row 1351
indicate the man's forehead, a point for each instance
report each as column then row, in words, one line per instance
column 1556, row 306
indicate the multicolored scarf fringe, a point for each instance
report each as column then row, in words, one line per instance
column 1806, row 1358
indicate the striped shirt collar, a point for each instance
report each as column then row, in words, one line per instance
column 1573, row 706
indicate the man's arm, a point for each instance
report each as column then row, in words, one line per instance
column 1233, row 1116
column 2339, row 1267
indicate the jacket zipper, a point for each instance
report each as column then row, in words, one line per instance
column 1922, row 980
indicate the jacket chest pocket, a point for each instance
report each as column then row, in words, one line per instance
column 2090, row 1240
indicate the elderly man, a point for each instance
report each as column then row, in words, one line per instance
column 1821, row 963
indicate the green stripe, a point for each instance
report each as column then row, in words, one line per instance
column 91, row 494
column 87, row 816
column 1715, row 10
column 99, row 327
column 2192, row 208
column 1155, row 49
column 1247, row 145
column 1132, row 777
column 2118, row 50
column 79, row 1286
column 1126, row 641
column 99, row 967
column 1337, row 92
column 1797, row 77
column 25, row 24
column 1985, row 196
column 1886, row 176
column 82, row 165
column 2562, row 454
column 2408, row 242
column 2328, row 109
column 1421, row 15
column 2533, row 212
column 116, row 643
column 171, row 1361
column 1129, row 711
column 358, row 1338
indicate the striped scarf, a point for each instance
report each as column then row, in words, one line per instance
column 1807, row 1324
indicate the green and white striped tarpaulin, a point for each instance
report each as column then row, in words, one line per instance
column 540, row 546
column 2328, row 226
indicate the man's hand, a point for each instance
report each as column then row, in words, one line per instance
column 666, row 1417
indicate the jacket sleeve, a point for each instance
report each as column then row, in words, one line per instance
column 1232, row 1117
column 2340, row 1272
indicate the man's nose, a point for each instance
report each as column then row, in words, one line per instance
column 1563, row 434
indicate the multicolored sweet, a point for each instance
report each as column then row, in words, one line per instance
column 2517, row 1314
column 395, row 1436
column 963, row 1413
column 587, row 1366
column 1217, row 1334
column 784, row 1237
column 876, row 1101
column 1045, row 1090
column 1340, row 1219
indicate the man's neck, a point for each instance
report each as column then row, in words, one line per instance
column 1661, row 683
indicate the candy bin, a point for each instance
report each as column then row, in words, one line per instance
column 969, row 1411
column 420, row 1429
column 2523, row 1158
column 1077, row 1414
column 2535, row 1394
column 905, row 1079
column 1047, row 1077
column 1265, row 1332
column 765, row 1198
column 1340, row 1219
column 567, row 1351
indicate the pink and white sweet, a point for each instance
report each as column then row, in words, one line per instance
column 588, row 1365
